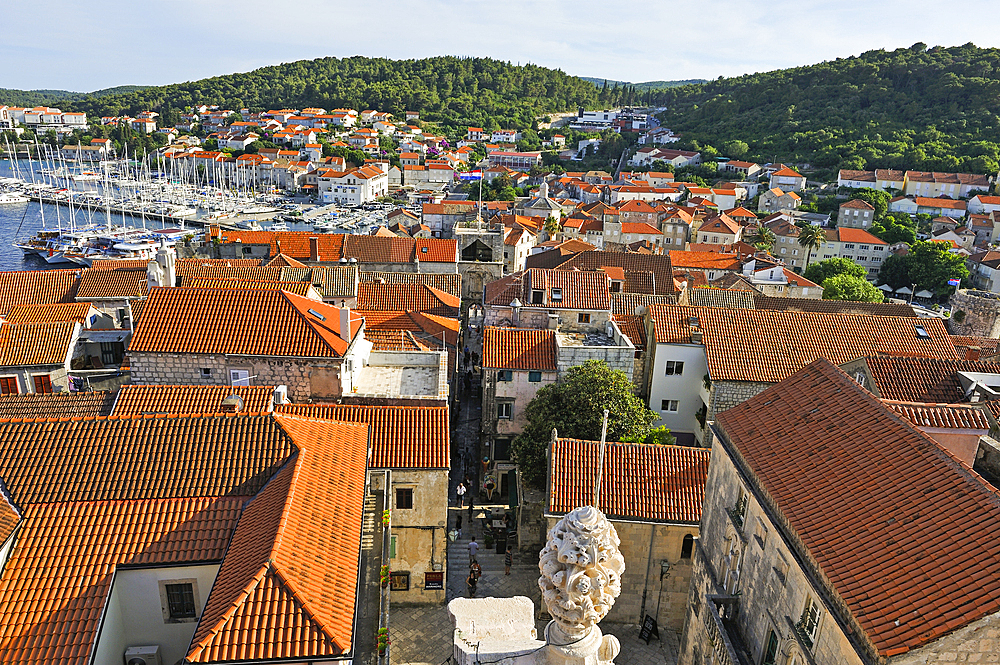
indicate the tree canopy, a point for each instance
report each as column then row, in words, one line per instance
column 928, row 264
column 823, row 270
column 850, row 287
column 911, row 108
column 575, row 407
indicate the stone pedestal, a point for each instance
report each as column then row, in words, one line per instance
column 594, row 648
column 494, row 630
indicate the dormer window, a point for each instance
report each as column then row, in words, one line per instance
column 537, row 297
column 557, row 295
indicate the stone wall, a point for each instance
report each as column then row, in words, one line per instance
column 420, row 532
column 727, row 394
column 186, row 369
column 975, row 313
column 978, row 642
column 617, row 357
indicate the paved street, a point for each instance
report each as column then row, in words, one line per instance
column 423, row 634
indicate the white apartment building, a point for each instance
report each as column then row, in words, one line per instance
column 354, row 187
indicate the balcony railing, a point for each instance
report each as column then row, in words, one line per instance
column 716, row 608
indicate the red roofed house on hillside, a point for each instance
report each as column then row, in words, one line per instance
column 788, row 180
column 834, row 532
column 719, row 230
column 743, row 351
column 248, row 338
column 196, row 535
column 653, row 495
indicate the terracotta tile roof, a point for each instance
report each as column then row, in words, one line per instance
column 714, row 297
column 832, row 306
column 330, row 281
column 633, row 327
column 857, row 203
column 9, row 517
column 372, row 249
column 987, row 346
column 640, row 482
column 785, row 171
column 260, row 273
column 137, row 400
column 282, row 261
column 394, row 340
column 661, row 265
column 721, row 224
column 298, row 288
column 112, row 284
column 407, row 297
column 640, row 227
column 52, row 313
column 400, row 437
column 450, row 283
column 768, row 346
column 239, row 322
column 31, row 287
column 35, row 343
column 705, row 260
column 847, row 503
column 625, row 304
column 295, row 244
column 951, row 204
column 856, row 235
column 293, row 559
column 56, row 405
column 519, row 348
column 580, row 289
column 910, row 379
column 92, row 483
column 947, row 416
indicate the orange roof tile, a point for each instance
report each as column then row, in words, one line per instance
column 785, row 171
column 239, row 322
column 56, row 405
column 283, row 261
column 520, row 349
column 640, row 482
column 856, row 497
column 911, row 379
column 400, row 437
column 136, row 400
column 768, row 346
column 25, row 344
column 374, row 296
column 580, row 289
column 704, row 260
column 858, row 235
column 950, row 204
column 298, row 288
column 113, row 284
column 947, row 416
column 640, row 227
column 51, row 313
column 29, row 287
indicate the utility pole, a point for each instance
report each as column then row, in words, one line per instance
column 600, row 461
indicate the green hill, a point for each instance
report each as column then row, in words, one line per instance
column 917, row 108
column 449, row 90
column 31, row 98
column 648, row 85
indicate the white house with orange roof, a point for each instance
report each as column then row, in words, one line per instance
column 776, row 199
column 354, row 187
column 788, row 180
column 983, row 204
column 475, row 134
column 858, row 245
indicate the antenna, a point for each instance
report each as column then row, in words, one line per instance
column 600, row 461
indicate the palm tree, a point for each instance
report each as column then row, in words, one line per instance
column 811, row 237
column 763, row 238
column 551, row 227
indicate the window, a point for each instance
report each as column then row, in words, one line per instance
column 505, row 410
column 863, row 248
column 537, row 297
column 392, row 547
column 739, row 513
column 674, row 367
column 505, row 375
column 808, row 624
column 8, row 385
column 583, row 317
column 760, row 532
column 615, row 287
column 732, row 564
column 534, row 377
column 687, row 546
column 781, row 570
column 848, row 245
column 860, row 378
column 404, row 498
column 43, row 384
column 247, row 250
column 109, row 353
column 557, row 295
column 206, row 371
column 771, row 650
column 668, row 405
column 179, row 600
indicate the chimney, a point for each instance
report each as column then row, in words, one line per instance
column 345, row 323
column 232, row 404
column 314, row 249
column 973, row 353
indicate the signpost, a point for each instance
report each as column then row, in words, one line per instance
column 649, row 629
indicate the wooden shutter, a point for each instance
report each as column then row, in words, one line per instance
column 43, row 384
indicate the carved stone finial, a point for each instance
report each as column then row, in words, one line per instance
column 581, row 570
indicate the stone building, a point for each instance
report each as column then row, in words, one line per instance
column 821, row 542
column 248, row 338
column 36, row 357
column 653, row 496
column 975, row 313
column 705, row 360
column 554, row 299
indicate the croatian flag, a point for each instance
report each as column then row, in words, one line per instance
column 471, row 175
column 954, row 282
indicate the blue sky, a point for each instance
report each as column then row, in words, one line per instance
column 105, row 43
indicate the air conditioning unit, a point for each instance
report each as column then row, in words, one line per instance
column 149, row 655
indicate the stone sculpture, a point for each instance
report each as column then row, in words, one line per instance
column 581, row 569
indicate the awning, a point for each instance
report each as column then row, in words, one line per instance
column 886, row 288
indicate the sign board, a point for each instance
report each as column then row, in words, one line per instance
column 649, row 629
column 399, row 581
column 433, row 581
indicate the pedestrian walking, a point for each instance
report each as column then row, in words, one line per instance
column 458, row 524
column 471, row 581
column 461, row 495
column 470, row 508
column 476, row 570
column 508, row 559
column 473, row 550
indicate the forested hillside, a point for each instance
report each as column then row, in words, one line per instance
column 449, row 90
column 918, row 108
column 58, row 98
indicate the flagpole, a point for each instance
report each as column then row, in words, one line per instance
column 600, row 461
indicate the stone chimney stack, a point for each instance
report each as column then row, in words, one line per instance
column 345, row 323
column 162, row 270
column 314, row 249
column 973, row 353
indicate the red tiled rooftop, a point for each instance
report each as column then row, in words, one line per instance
column 640, row 482
column 35, row 343
column 872, row 483
column 135, row 400
column 29, row 287
column 520, row 349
